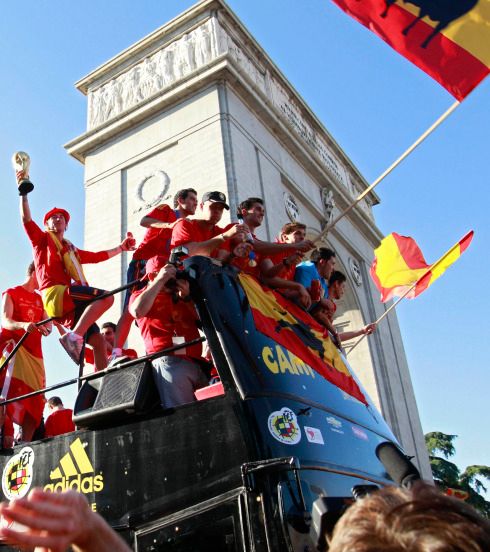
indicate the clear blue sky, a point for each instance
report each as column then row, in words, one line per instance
column 375, row 104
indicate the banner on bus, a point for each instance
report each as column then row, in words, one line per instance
column 294, row 329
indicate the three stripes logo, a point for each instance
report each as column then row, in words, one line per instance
column 75, row 471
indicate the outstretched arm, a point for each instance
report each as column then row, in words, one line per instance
column 34, row 233
column 128, row 244
column 293, row 289
column 55, row 521
column 208, row 246
column 150, row 222
column 268, row 248
column 270, row 270
column 87, row 257
column 367, row 330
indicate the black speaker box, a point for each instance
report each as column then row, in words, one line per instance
column 120, row 395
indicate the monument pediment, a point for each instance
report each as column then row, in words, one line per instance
column 206, row 43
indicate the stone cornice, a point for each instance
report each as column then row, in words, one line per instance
column 155, row 40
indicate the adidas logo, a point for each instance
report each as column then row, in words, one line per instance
column 76, row 472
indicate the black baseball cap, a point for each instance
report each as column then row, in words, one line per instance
column 215, row 197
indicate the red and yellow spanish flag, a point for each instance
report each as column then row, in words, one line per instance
column 399, row 264
column 299, row 333
column 448, row 39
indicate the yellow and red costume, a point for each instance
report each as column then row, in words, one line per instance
column 25, row 371
column 58, row 265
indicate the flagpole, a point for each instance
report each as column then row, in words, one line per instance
column 386, row 312
column 431, row 267
column 441, row 119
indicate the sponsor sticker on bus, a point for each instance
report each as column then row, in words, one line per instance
column 314, row 435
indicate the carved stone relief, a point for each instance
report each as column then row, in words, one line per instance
column 355, row 271
column 293, row 116
column 170, row 64
column 156, row 72
column 247, row 65
column 162, row 185
column 328, row 206
column 292, row 209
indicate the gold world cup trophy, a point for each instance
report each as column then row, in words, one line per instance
column 21, row 162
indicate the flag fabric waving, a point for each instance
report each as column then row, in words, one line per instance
column 25, row 371
column 399, row 264
column 448, row 39
column 296, row 331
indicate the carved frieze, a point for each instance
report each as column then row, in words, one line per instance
column 170, row 64
column 245, row 63
column 292, row 113
column 156, row 72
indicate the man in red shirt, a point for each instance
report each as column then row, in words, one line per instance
column 243, row 255
column 60, row 419
column 251, row 212
column 156, row 241
column 22, row 307
column 163, row 323
column 108, row 331
column 278, row 269
column 58, row 266
column 203, row 236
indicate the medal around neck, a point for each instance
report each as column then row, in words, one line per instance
column 251, row 259
column 21, row 163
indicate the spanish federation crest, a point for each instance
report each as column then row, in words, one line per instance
column 17, row 474
column 284, row 427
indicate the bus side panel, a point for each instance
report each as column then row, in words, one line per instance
column 135, row 472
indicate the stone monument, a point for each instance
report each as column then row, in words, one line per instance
column 199, row 103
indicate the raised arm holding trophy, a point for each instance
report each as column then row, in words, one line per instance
column 64, row 289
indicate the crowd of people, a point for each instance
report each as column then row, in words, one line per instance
column 56, row 293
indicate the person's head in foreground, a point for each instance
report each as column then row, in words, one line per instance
column 421, row 519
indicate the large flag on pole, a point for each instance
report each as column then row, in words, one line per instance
column 298, row 332
column 399, row 264
column 448, row 39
